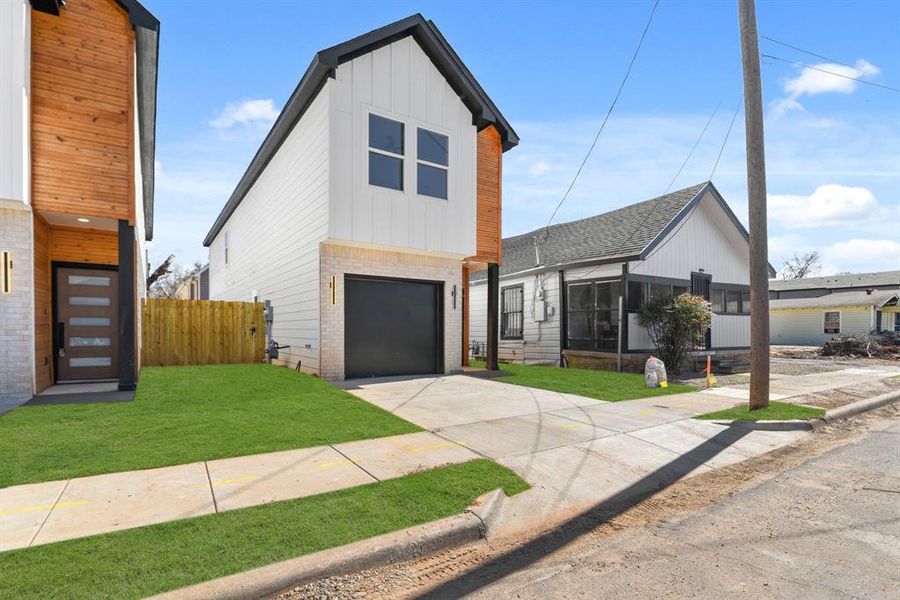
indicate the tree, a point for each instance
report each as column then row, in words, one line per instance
column 169, row 283
column 163, row 269
column 675, row 325
column 801, row 265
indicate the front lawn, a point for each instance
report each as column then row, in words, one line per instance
column 602, row 385
column 182, row 415
column 154, row 559
column 776, row 411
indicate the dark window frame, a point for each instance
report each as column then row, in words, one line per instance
column 593, row 342
column 825, row 328
column 505, row 313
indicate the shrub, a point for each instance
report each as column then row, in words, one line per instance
column 675, row 325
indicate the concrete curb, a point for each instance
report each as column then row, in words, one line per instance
column 473, row 524
column 855, row 408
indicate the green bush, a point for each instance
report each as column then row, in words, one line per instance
column 675, row 325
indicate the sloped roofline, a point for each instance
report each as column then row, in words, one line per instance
column 323, row 66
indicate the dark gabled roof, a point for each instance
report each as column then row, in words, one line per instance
column 324, row 64
column 622, row 233
column 146, row 35
column 882, row 279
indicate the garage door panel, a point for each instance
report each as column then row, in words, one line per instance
column 392, row 327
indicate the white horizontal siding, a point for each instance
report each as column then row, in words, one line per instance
column 399, row 82
column 706, row 239
column 805, row 327
column 730, row 331
column 540, row 339
column 638, row 338
column 274, row 236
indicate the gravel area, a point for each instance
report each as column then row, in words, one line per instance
column 778, row 367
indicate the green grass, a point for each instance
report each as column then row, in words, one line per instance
column 602, row 385
column 149, row 560
column 776, row 411
column 182, row 415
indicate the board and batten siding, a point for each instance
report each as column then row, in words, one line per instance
column 15, row 69
column 398, row 81
column 274, row 236
column 706, row 239
column 540, row 339
column 806, row 326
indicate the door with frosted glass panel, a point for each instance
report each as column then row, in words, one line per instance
column 86, row 336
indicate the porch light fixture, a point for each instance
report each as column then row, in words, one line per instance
column 83, row 220
column 6, row 266
column 332, row 289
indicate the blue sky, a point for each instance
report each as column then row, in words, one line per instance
column 833, row 146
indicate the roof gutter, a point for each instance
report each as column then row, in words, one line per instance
column 593, row 262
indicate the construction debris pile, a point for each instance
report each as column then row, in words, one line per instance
column 863, row 346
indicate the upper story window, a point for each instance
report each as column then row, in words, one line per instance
column 386, row 152
column 512, row 312
column 225, row 244
column 432, row 154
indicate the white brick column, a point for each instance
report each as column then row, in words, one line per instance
column 17, row 308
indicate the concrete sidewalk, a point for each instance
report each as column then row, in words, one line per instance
column 59, row 510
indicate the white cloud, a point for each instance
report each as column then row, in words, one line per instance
column 828, row 205
column 814, row 80
column 248, row 113
column 863, row 255
column 538, row 169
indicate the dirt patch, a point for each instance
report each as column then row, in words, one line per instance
column 778, row 368
column 848, row 395
column 813, row 353
column 415, row 577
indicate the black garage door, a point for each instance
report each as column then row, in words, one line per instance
column 392, row 327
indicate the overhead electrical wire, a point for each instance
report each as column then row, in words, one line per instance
column 737, row 109
column 798, row 49
column 694, row 147
column 602, row 125
column 806, row 66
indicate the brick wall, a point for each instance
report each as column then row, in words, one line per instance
column 338, row 260
column 16, row 311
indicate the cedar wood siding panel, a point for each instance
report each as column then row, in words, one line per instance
column 71, row 244
column 43, row 341
column 82, row 89
column 488, row 230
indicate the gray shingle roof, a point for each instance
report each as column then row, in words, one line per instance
column 833, row 300
column 861, row 280
column 625, row 231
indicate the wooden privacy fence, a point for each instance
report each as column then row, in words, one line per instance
column 201, row 332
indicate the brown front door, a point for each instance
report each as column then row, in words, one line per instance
column 86, row 317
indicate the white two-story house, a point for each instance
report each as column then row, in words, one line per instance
column 373, row 196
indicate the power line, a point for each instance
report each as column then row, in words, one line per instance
column 694, row 147
column 737, row 109
column 800, row 64
column 603, row 124
column 798, row 49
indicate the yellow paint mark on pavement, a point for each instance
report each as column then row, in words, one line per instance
column 229, row 481
column 37, row 507
column 334, row 463
column 574, row 424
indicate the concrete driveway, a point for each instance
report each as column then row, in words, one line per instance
column 574, row 451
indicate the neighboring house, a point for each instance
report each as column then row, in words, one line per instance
column 561, row 288
column 812, row 310
column 195, row 287
column 77, row 119
column 374, row 192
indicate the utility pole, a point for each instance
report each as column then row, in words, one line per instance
column 756, row 195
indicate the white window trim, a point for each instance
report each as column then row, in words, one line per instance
column 840, row 321
column 431, row 164
column 402, row 157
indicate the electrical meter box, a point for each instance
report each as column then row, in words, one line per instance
column 540, row 311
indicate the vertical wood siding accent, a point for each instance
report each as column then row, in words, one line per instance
column 82, row 78
column 705, row 239
column 274, row 236
column 43, row 344
column 73, row 244
column 490, row 160
column 400, row 82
